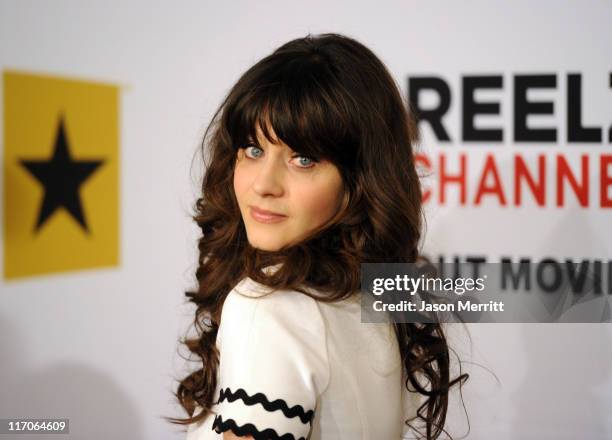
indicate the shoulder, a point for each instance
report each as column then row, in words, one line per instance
column 256, row 320
column 250, row 299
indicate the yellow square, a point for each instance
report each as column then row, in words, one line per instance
column 61, row 174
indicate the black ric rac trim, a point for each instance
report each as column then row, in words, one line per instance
column 294, row 411
column 219, row 426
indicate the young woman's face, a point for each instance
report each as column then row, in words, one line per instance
column 302, row 194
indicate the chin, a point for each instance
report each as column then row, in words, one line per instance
column 265, row 245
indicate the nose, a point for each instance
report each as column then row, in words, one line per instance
column 269, row 178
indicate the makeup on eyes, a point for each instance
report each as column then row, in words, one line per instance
column 312, row 160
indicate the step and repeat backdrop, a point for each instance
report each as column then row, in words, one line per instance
column 103, row 108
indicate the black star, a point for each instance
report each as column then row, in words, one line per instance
column 61, row 176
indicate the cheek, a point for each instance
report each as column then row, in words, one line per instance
column 240, row 182
column 318, row 202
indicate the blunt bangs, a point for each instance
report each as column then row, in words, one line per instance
column 304, row 103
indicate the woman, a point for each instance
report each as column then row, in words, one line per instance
column 310, row 174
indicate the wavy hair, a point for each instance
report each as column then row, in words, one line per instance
column 326, row 96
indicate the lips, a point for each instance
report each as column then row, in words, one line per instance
column 265, row 212
column 265, row 216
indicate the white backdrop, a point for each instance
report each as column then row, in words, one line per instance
column 99, row 346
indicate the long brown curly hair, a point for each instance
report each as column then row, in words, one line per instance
column 326, row 96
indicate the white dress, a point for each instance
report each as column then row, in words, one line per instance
column 292, row 367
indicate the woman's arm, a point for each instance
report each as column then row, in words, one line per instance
column 279, row 337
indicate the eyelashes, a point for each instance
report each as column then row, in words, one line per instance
column 246, row 147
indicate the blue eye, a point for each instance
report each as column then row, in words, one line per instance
column 305, row 161
column 253, row 151
column 257, row 151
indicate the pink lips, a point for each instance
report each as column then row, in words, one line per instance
column 263, row 216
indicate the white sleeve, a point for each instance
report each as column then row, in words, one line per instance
column 273, row 365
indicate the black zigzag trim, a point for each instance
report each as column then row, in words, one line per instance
column 249, row 429
column 294, row 411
